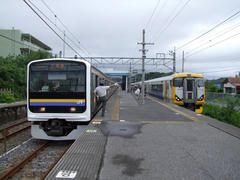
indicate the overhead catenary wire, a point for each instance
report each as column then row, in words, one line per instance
column 219, row 24
column 215, row 37
column 213, row 45
column 67, row 29
column 160, row 10
column 52, row 28
column 62, row 31
column 154, row 10
column 220, row 70
column 173, row 19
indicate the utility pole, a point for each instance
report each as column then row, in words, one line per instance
column 174, row 60
column 143, row 65
column 183, row 61
column 64, row 43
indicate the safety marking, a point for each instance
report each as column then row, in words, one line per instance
column 97, row 120
column 157, row 122
column 91, row 131
column 66, row 174
column 115, row 113
column 165, row 122
column 173, row 109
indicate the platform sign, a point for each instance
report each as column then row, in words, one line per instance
column 66, row 174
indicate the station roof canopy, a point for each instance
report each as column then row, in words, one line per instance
column 116, row 73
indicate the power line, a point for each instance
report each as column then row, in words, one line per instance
column 167, row 18
column 215, row 37
column 219, row 24
column 149, row 20
column 220, row 70
column 172, row 20
column 55, row 24
column 85, row 51
column 159, row 12
column 82, row 48
column 213, row 44
column 218, row 58
column 51, row 28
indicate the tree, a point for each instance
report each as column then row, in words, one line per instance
column 210, row 87
column 13, row 72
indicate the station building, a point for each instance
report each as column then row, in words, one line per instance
column 15, row 42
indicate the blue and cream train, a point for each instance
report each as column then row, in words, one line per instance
column 185, row 89
column 60, row 95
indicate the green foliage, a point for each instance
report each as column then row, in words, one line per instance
column 213, row 111
column 6, row 97
column 228, row 113
column 13, row 72
column 210, row 87
column 151, row 75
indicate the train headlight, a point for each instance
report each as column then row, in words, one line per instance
column 201, row 98
column 177, row 98
column 42, row 109
column 72, row 109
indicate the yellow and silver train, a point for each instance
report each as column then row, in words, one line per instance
column 185, row 89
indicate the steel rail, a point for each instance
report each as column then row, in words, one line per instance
column 4, row 131
column 53, row 164
column 20, row 165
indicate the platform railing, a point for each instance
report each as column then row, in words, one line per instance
column 219, row 98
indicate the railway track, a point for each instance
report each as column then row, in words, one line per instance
column 39, row 162
column 12, row 130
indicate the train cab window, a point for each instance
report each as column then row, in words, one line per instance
column 200, row 82
column 178, row 82
column 58, row 76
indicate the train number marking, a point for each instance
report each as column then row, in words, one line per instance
column 66, row 174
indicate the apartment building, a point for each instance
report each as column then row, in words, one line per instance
column 15, row 42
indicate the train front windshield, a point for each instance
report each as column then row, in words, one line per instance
column 57, row 85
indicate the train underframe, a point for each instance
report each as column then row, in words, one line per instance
column 57, row 129
column 198, row 108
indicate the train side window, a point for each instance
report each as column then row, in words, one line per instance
column 178, row 82
column 96, row 77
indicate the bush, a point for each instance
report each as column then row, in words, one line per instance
column 213, row 111
column 227, row 113
column 13, row 72
column 6, row 97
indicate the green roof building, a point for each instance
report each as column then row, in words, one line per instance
column 14, row 42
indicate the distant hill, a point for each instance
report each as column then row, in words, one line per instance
column 150, row 75
column 217, row 81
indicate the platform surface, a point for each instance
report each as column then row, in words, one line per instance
column 156, row 140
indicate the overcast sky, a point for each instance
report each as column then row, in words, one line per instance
column 113, row 28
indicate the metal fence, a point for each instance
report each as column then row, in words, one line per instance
column 219, row 98
column 8, row 90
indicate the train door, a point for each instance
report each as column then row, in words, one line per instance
column 93, row 79
column 165, row 90
column 189, row 90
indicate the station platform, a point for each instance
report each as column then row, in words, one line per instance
column 151, row 141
